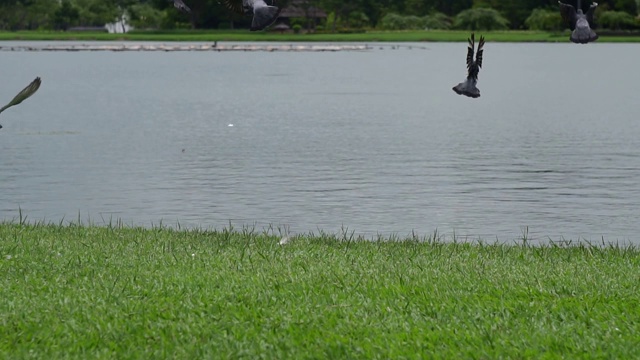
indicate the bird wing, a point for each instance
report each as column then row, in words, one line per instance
column 234, row 5
column 568, row 13
column 480, row 51
column 24, row 94
column 181, row 6
column 470, row 50
column 590, row 12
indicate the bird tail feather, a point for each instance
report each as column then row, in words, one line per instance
column 583, row 36
column 467, row 88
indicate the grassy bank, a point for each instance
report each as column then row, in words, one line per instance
column 113, row 292
column 244, row 35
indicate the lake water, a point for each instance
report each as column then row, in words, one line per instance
column 374, row 141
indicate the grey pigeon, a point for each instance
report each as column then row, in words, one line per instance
column 579, row 23
column 468, row 87
column 263, row 14
column 181, row 6
column 23, row 95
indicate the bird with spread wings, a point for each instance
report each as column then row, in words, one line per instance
column 263, row 14
column 178, row 4
column 579, row 22
column 23, row 95
column 468, row 87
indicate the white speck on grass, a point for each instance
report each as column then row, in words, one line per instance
column 8, row 257
column 285, row 240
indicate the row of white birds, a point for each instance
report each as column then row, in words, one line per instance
column 264, row 15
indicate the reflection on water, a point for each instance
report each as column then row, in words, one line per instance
column 374, row 141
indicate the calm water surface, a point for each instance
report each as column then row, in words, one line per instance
column 375, row 141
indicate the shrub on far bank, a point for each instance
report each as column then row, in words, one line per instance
column 616, row 20
column 393, row 21
column 480, row 19
column 548, row 20
column 358, row 20
column 437, row 21
column 145, row 16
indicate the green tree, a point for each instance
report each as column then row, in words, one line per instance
column 66, row 15
column 542, row 19
column 145, row 16
column 94, row 12
column 13, row 15
column 40, row 14
column 358, row 20
column 517, row 11
column 437, row 21
column 480, row 19
column 393, row 21
column 628, row 6
column 617, row 20
column 376, row 9
column 341, row 10
column 33, row 14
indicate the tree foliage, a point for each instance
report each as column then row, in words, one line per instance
column 145, row 16
column 30, row 15
column 387, row 14
column 437, row 21
column 617, row 20
column 542, row 19
column 480, row 19
column 66, row 15
column 393, row 21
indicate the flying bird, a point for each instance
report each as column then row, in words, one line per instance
column 579, row 23
column 23, row 95
column 468, row 87
column 181, row 6
column 263, row 14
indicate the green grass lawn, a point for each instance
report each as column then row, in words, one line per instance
column 89, row 292
column 244, row 35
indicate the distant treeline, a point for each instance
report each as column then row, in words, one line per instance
column 342, row 15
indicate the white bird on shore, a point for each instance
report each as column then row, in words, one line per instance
column 285, row 240
column 23, row 95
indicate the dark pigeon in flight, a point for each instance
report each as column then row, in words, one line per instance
column 579, row 23
column 181, row 6
column 468, row 87
column 263, row 14
column 23, row 95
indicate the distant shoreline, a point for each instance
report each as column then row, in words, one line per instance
column 370, row 36
column 207, row 46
